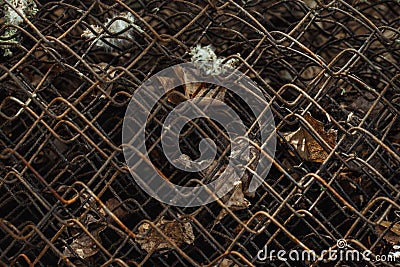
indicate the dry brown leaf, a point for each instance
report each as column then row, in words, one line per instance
column 83, row 246
column 244, row 158
column 176, row 97
column 173, row 96
column 306, row 146
column 236, row 201
column 107, row 73
column 150, row 239
column 393, row 235
column 88, row 201
column 86, row 220
column 112, row 204
column 187, row 162
column 193, row 90
column 115, row 207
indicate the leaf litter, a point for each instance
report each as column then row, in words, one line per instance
column 306, row 145
column 392, row 236
column 84, row 245
column 177, row 232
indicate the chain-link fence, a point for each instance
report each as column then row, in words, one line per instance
column 329, row 69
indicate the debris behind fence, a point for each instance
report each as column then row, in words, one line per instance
column 329, row 69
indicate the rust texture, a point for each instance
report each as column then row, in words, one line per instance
column 329, row 69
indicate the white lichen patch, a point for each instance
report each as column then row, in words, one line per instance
column 26, row 8
column 14, row 14
column 119, row 27
column 205, row 59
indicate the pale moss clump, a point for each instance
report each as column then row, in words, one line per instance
column 205, row 59
column 122, row 26
column 15, row 15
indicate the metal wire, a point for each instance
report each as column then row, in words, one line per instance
column 63, row 99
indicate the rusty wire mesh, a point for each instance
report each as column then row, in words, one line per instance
column 63, row 101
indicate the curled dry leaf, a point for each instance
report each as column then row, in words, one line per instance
column 88, row 201
column 191, row 89
column 235, row 198
column 177, row 232
column 87, row 220
column 306, row 146
column 235, row 201
column 107, row 73
column 83, row 246
column 311, row 72
column 112, row 204
column 243, row 159
column 253, row 156
column 174, row 95
column 187, row 162
column 393, row 235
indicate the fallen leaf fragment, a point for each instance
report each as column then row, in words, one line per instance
column 115, row 207
column 83, row 246
column 393, row 235
column 197, row 89
column 236, row 201
column 306, row 145
column 177, row 232
column 187, row 162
